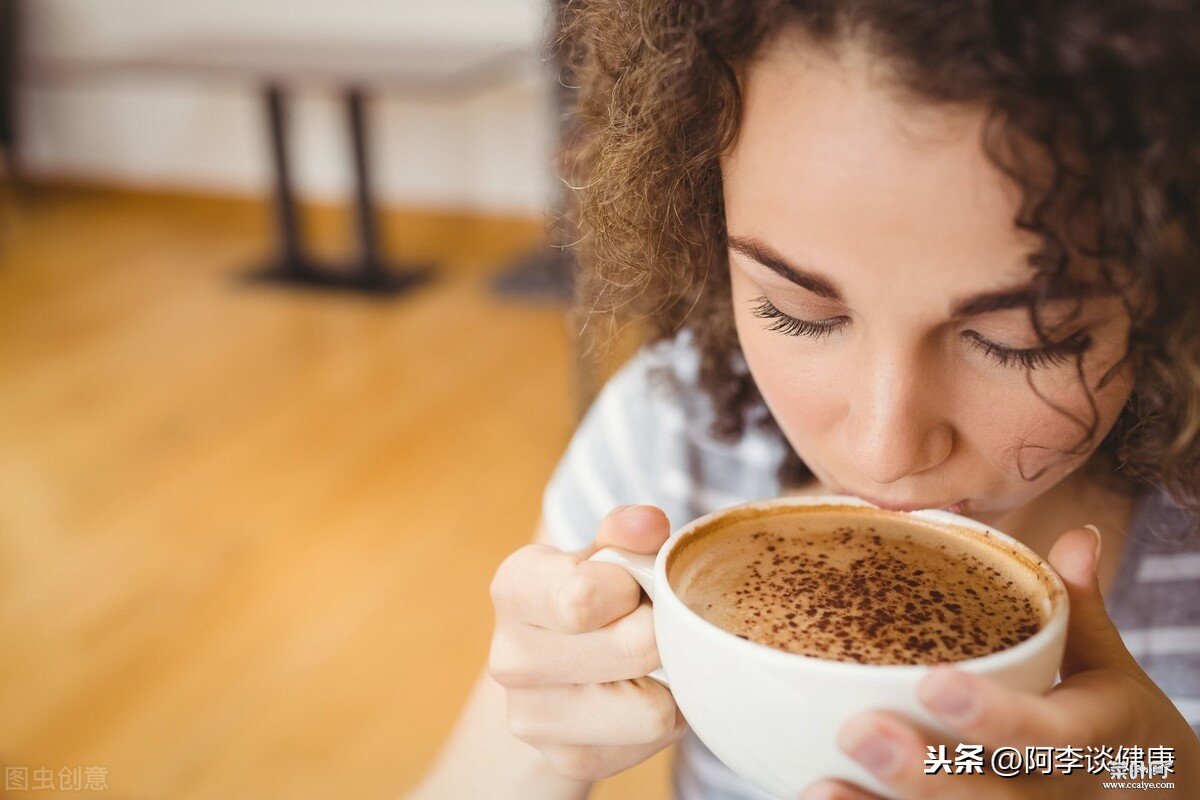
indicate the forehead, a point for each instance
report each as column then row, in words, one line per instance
column 834, row 166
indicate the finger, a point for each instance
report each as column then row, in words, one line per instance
column 526, row 656
column 1104, row 705
column 1092, row 640
column 593, row 763
column 837, row 790
column 983, row 711
column 895, row 751
column 639, row 529
column 1089, row 707
column 618, row 713
column 541, row 585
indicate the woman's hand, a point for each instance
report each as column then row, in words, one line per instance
column 1104, row 699
column 572, row 640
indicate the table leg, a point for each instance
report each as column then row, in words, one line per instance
column 291, row 257
column 291, row 266
column 368, row 235
column 373, row 276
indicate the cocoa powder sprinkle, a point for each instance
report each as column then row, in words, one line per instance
column 857, row 594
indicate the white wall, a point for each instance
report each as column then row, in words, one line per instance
column 490, row 152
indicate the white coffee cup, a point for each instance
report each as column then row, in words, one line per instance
column 773, row 716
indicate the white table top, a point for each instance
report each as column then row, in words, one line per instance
column 414, row 66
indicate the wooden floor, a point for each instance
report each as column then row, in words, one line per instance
column 246, row 533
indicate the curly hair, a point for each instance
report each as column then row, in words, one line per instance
column 1093, row 108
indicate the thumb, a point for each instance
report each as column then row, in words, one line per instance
column 638, row 529
column 1092, row 640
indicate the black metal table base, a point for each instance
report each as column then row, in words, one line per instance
column 545, row 274
column 378, row 281
column 364, row 274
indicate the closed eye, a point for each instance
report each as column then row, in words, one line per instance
column 789, row 325
column 1053, row 354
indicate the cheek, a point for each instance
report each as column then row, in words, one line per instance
column 801, row 385
column 805, row 397
column 1048, row 426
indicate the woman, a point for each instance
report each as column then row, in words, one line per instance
column 931, row 254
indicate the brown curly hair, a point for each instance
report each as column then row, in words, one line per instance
column 1093, row 110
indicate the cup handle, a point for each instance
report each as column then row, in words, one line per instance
column 641, row 567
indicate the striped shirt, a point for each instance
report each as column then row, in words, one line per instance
column 645, row 440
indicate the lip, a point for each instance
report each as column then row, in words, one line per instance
column 955, row 507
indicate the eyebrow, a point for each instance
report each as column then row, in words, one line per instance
column 981, row 303
column 769, row 258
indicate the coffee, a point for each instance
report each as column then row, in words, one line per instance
column 859, row 585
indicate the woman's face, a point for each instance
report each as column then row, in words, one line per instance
column 877, row 285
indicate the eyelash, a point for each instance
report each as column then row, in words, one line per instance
column 1054, row 354
column 795, row 327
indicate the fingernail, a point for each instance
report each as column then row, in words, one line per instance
column 953, row 701
column 876, row 752
column 1099, row 541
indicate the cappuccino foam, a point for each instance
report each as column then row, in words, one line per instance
column 859, row 586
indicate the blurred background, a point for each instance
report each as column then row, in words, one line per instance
column 285, row 364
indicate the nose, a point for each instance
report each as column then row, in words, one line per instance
column 897, row 425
